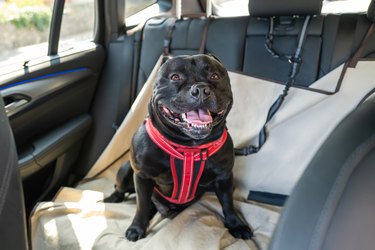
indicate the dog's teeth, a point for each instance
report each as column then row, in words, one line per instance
column 183, row 116
column 198, row 125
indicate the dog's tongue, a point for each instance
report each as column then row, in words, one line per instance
column 199, row 116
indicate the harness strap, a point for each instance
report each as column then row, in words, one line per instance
column 184, row 190
column 295, row 62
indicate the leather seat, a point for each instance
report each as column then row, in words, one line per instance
column 333, row 204
column 13, row 234
column 287, row 17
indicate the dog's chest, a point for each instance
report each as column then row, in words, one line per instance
column 186, row 165
column 184, row 179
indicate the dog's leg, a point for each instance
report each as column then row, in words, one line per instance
column 145, row 208
column 124, row 184
column 224, row 191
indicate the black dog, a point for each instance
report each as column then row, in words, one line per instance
column 183, row 147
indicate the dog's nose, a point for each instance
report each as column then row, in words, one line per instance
column 200, row 91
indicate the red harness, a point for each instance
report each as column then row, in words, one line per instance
column 185, row 176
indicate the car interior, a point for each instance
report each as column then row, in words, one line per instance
column 66, row 124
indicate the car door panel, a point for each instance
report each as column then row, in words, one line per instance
column 52, row 145
column 48, row 106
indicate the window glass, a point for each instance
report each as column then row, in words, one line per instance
column 24, row 26
column 134, row 6
column 227, row 8
column 78, row 23
column 138, row 11
column 345, row 6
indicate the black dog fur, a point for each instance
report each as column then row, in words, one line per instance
column 184, row 83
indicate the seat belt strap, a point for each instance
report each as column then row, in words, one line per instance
column 168, row 37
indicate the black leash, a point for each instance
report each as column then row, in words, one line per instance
column 295, row 62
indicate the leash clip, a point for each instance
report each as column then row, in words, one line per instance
column 295, row 59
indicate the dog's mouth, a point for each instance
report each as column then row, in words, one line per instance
column 198, row 119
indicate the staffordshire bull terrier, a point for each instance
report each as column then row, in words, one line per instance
column 183, row 148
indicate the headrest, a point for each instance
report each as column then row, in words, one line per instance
column 266, row 8
column 371, row 11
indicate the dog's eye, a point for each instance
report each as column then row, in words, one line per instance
column 215, row 77
column 175, row 77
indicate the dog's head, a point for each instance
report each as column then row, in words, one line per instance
column 192, row 94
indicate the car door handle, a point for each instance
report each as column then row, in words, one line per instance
column 10, row 107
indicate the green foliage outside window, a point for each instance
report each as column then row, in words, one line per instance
column 26, row 14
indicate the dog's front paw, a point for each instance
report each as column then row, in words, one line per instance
column 115, row 197
column 241, row 232
column 134, row 233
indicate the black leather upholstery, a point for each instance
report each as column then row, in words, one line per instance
column 259, row 62
column 333, row 204
column 226, row 38
column 369, row 51
column 186, row 39
column 239, row 42
column 371, row 11
column 12, row 212
column 342, row 35
column 266, row 8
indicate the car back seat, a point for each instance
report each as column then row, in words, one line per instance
column 223, row 33
column 186, row 39
column 288, row 19
column 331, row 207
column 239, row 42
column 342, row 35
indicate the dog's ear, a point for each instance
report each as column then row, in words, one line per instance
column 215, row 57
column 165, row 58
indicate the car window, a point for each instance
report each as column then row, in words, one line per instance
column 24, row 29
column 227, row 8
column 345, row 6
column 138, row 11
column 134, row 6
column 78, row 23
